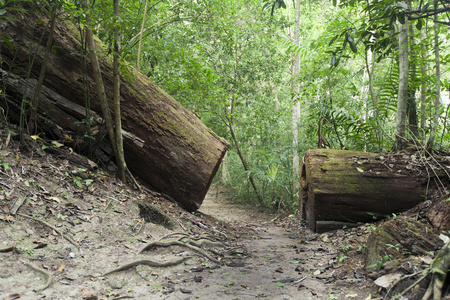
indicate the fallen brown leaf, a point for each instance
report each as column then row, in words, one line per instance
column 61, row 267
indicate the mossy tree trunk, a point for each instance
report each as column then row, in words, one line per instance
column 167, row 146
column 341, row 187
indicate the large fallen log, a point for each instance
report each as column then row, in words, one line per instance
column 340, row 187
column 167, row 146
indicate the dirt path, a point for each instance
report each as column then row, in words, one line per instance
column 284, row 264
column 241, row 253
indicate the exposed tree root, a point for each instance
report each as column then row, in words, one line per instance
column 181, row 244
column 49, row 276
column 438, row 271
column 206, row 242
column 147, row 263
column 68, row 238
column 203, row 226
column 439, row 267
column 174, row 234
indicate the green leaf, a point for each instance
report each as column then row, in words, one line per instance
column 334, row 3
column 360, row 170
column 157, row 287
column 265, row 7
column 351, row 41
column 437, row 270
column 334, row 61
column 6, row 41
column 333, row 39
column 401, row 18
column 280, row 284
column 419, row 24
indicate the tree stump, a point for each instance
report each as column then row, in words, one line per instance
column 341, row 188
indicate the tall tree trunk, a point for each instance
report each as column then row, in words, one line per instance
column 138, row 65
column 244, row 162
column 296, row 111
column 437, row 100
column 423, row 85
column 48, row 48
column 225, row 177
column 98, row 79
column 120, row 158
column 412, row 86
column 400, row 126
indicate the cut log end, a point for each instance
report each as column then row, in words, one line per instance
column 350, row 187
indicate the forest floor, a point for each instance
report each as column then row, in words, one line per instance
column 68, row 232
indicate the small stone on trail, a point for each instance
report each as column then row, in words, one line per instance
column 117, row 284
column 185, row 291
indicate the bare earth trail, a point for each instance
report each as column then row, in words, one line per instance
column 284, row 263
column 80, row 235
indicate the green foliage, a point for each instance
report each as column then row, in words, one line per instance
column 381, row 262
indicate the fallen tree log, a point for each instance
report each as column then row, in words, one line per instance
column 167, row 146
column 399, row 238
column 439, row 214
column 340, row 187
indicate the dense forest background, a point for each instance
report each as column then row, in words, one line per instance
column 276, row 78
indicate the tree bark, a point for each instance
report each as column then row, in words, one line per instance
column 35, row 100
column 437, row 100
column 423, row 84
column 167, row 146
column 121, row 164
column 341, row 186
column 439, row 214
column 141, row 33
column 406, row 237
column 400, row 126
column 296, row 109
column 413, row 128
column 97, row 75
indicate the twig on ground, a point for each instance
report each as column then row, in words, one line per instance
column 49, row 276
column 203, row 226
column 137, row 185
column 68, row 238
column 177, row 243
column 174, row 234
column 437, row 270
column 147, row 263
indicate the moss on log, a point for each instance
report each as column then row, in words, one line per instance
column 350, row 186
column 170, row 149
column 399, row 238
